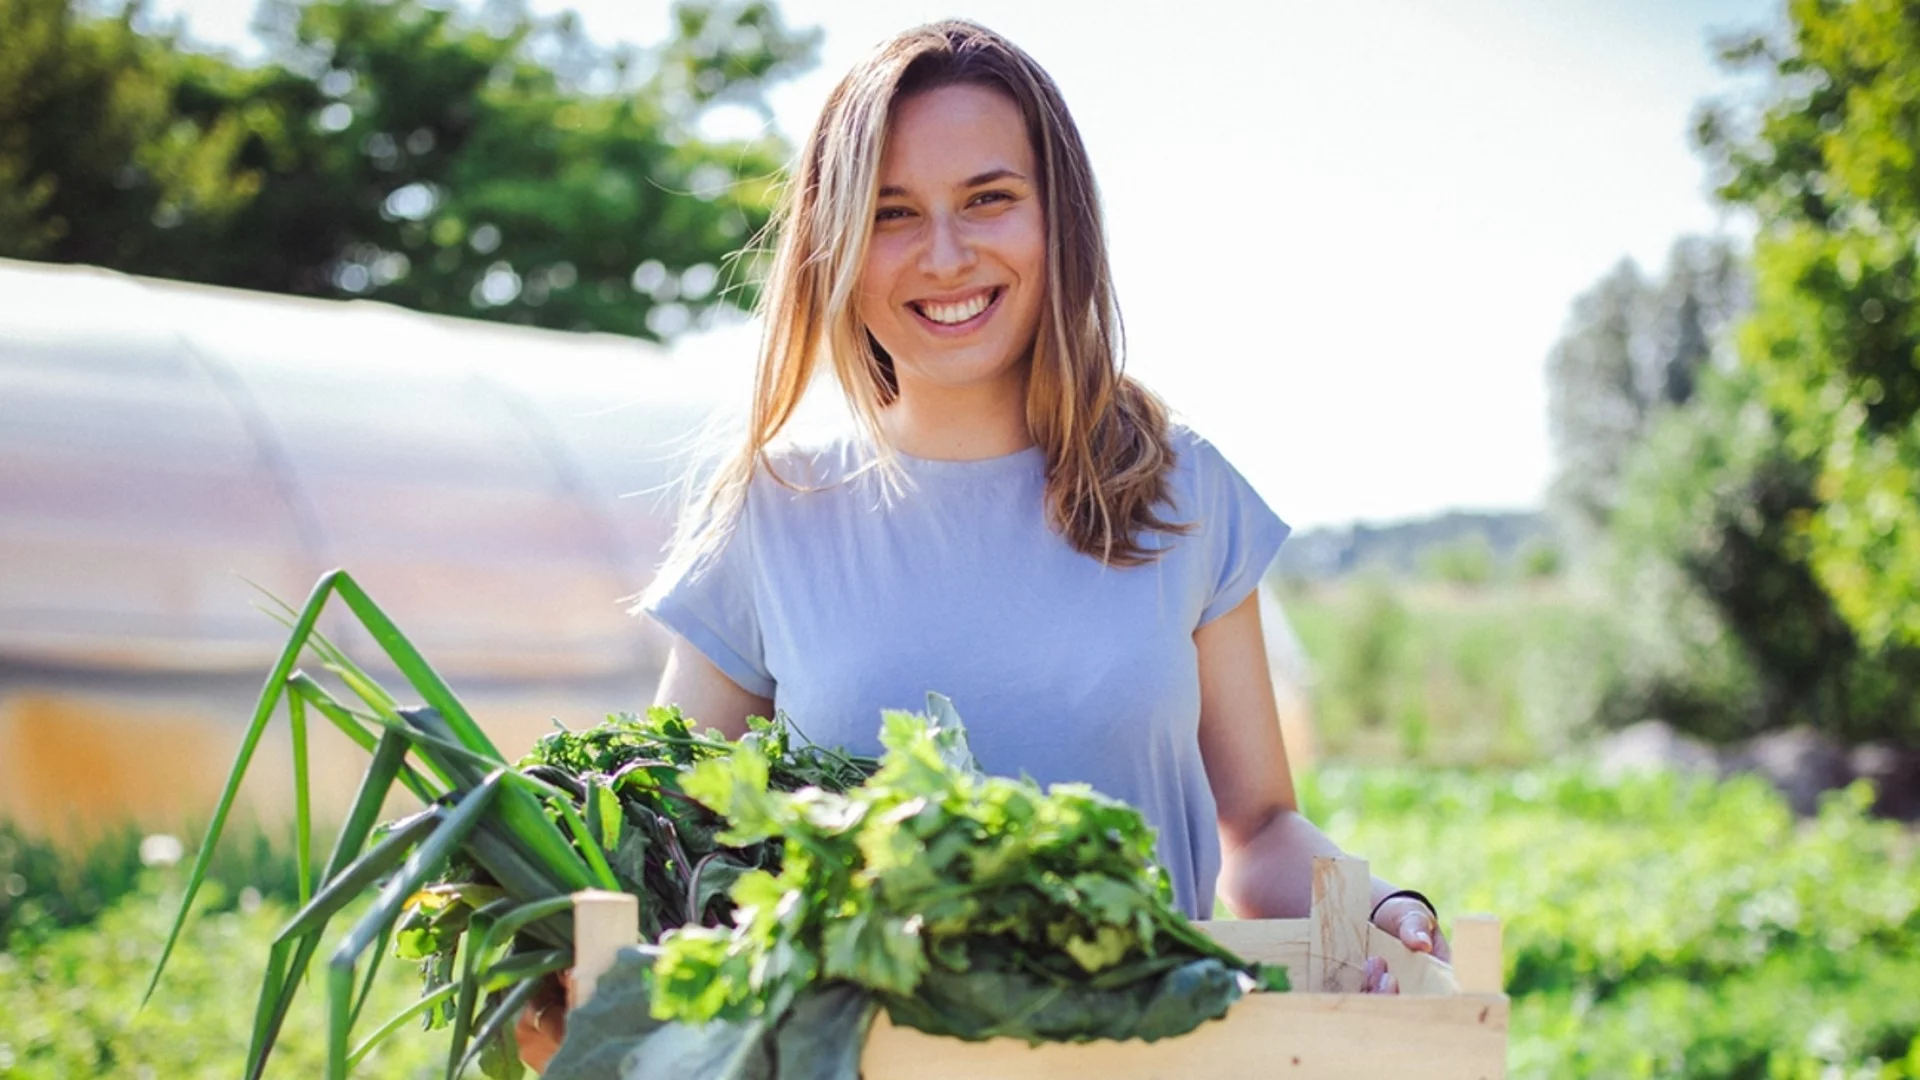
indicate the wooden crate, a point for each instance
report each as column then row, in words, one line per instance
column 1447, row 1023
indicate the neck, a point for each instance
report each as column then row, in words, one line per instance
column 955, row 424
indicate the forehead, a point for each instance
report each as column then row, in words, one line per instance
column 942, row 136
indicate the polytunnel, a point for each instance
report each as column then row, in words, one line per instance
column 170, row 453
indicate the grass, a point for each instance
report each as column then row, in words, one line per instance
column 1658, row 926
column 71, row 997
column 1496, row 674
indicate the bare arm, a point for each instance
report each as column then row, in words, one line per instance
column 705, row 694
column 1267, row 846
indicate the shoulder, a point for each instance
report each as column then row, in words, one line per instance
column 810, row 462
column 1205, row 480
column 1198, row 465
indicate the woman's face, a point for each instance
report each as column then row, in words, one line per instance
column 955, row 275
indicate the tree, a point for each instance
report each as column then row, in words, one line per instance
column 1825, row 155
column 1634, row 349
column 492, row 165
column 90, row 151
column 1729, row 632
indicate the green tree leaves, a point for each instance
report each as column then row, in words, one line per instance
column 1828, row 162
column 498, row 166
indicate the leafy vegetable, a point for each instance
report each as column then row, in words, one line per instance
column 476, row 887
column 975, row 887
column 963, row 904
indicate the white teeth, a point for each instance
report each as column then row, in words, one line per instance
column 951, row 314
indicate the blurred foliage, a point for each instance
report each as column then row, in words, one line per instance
column 1540, row 560
column 1762, row 529
column 48, row 885
column 1634, row 349
column 1466, row 561
column 1726, row 630
column 1658, row 926
column 1503, row 674
column 491, row 165
column 72, row 999
column 1825, row 155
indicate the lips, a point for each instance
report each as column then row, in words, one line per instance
column 956, row 312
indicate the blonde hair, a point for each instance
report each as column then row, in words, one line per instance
column 1104, row 435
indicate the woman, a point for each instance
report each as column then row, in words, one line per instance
column 1017, row 525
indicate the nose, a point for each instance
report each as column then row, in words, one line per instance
column 949, row 252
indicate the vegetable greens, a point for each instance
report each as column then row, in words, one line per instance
column 963, row 904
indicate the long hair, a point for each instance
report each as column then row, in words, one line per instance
column 1104, row 435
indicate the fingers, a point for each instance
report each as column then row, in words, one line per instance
column 1417, row 930
column 1420, row 931
column 538, row 1031
column 1378, row 980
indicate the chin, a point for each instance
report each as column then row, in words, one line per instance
column 959, row 372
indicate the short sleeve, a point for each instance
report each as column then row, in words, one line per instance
column 710, row 603
column 1240, row 534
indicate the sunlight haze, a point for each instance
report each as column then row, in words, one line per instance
column 1345, row 235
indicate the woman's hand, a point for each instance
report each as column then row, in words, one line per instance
column 1408, row 920
column 542, row 1026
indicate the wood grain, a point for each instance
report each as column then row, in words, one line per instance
column 1291, row 1036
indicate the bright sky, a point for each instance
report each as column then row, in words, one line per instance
column 1345, row 234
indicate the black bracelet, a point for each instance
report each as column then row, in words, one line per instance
column 1398, row 893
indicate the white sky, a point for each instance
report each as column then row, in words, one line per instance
column 1345, row 233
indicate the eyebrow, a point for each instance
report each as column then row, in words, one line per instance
column 988, row 177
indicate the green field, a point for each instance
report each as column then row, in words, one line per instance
column 1655, row 927
column 1448, row 674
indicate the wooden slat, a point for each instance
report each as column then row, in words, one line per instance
column 1293, row 1036
column 1337, row 962
column 1477, row 954
column 603, row 924
column 1267, row 941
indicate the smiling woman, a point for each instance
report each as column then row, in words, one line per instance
column 1013, row 523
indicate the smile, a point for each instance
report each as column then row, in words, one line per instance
column 959, row 313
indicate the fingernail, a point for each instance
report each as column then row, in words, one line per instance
column 1424, row 938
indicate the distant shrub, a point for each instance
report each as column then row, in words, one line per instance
column 1466, row 561
column 1540, row 560
column 47, row 885
column 1360, row 670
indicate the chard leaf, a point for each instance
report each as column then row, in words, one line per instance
column 822, row 1037
column 616, row 1036
column 986, row 1004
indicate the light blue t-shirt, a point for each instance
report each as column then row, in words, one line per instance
column 838, row 603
